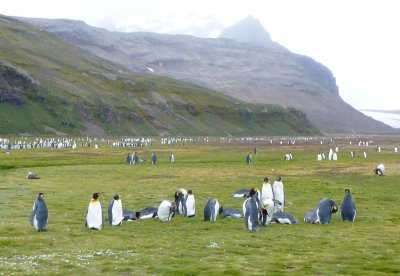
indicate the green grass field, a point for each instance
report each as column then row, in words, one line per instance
column 190, row 246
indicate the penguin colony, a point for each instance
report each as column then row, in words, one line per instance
column 259, row 209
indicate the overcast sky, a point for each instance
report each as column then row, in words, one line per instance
column 358, row 40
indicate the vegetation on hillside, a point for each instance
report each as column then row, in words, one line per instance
column 50, row 87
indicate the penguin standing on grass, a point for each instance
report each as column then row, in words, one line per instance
column 251, row 210
column 40, row 214
column 180, row 201
column 348, row 207
column 115, row 212
column 94, row 216
column 267, row 211
column 211, row 210
column 190, row 204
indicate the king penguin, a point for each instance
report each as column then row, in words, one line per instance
column 180, row 201
column 94, row 216
column 251, row 211
column 348, row 207
column 147, row 212
column 211, row 210
column 229, row 213
column 283, row 218
column 380, row 170
column 115, row 212
column 322, row 213
column 267, row 211
column 253, row 192
column 190, row 204
column 241, row 193
column 166, row 210
column 40, row 214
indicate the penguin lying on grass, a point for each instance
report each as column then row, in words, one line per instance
column 283, row 218
column 229, row 213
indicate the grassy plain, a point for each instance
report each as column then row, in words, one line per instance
column 370, row 246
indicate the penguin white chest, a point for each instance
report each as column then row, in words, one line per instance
column 117, row 216
column 94, row 217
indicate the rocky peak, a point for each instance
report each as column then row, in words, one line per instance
column 248, row 30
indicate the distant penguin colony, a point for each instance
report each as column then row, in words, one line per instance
column 40, row 214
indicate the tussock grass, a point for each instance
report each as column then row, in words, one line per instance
column 191, row 246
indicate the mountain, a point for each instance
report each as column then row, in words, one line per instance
column 250, row 72
column 248, row 30
column 48, row 86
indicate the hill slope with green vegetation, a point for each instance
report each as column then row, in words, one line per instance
column 258, row 72
column 50, row 87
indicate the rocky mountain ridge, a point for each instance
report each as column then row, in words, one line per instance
column 250, row 72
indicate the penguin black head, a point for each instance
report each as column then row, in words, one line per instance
column 116, row 196
column 190, row 191
column 253, row 191
column 347, row 191
column 278, row 178
column 173, row 206
column 266, row 179
column 220, row 210
column 40, row 195
column 96, row 195
column 334, row 208
column 177, row 193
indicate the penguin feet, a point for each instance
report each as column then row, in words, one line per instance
column 42, row 230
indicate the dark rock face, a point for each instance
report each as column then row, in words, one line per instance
column 13, row 86
column 259, row 71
